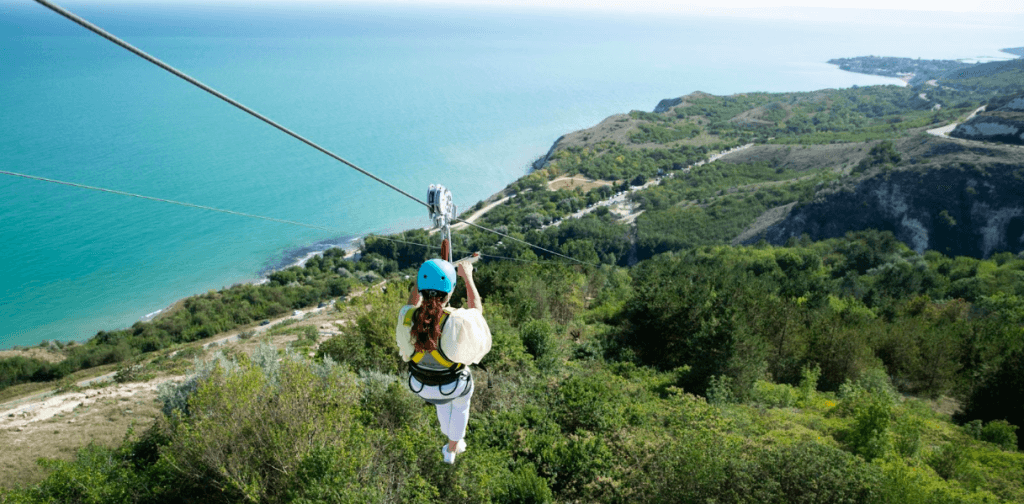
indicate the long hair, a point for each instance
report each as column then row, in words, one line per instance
column 426, row 321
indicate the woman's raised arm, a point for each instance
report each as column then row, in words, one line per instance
column 465, row 270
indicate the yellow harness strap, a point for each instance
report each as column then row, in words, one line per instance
column 418, row 356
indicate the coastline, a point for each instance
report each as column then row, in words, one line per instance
column 299, row 257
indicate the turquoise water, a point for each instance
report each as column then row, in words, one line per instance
column 467, row 98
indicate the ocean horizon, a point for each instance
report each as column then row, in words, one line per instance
column 465, row 97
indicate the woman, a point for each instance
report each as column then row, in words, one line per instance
column 440, row 343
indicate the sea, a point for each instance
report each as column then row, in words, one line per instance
column 416, row 94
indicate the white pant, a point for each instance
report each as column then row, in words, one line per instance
column 452, row 403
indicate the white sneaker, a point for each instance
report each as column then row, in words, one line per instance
column 449, row 457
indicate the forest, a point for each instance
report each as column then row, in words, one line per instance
column 801, row 373
column 667, row 365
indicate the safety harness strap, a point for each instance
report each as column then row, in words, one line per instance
column 437, row 354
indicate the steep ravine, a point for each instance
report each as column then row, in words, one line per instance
column 957, row 211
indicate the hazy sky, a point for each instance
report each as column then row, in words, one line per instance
column 698, row 5
column 663, row 6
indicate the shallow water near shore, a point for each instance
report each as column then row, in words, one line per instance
column 466, row 98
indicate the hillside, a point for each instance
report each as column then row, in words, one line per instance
column 1002, row 121
column 961, row 200
column 865, row 348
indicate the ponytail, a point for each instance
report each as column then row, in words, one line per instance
column 426, row 321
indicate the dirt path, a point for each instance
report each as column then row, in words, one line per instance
column 575, row 181
column 619, row 202
column 41, row 411
column 944, row 131
column 476, row 215
column 55, row 425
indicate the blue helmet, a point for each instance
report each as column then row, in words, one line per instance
column 436, row 274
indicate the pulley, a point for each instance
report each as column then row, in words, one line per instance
column 442, row 212
column 439, row 201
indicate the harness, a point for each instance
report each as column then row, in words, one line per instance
column 433, row 377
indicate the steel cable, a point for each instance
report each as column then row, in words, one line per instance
column 142, row 54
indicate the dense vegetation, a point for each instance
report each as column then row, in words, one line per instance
column 671, row 368
column 600, row 378
column 202, row 316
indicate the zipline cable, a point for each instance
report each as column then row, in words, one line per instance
column 201, row 207
column 142, row 54
column 243, row 214
column 162, row 200
column 524, row 242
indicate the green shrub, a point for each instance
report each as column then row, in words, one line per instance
column 907, row 430
column 537, row 338
column 808, row 383
column 720, row 390
column 370, row 342
column 128, row 371
column 279, row 415
column 574, row 464
column 507, row 350
column 332, row 474
column 387, row 403
column 774, row 395
column 809, row 472
column 869, row 436
column 1000, row 433
column 903, row 483
column 65, row 385
column 96, row 475
column 875, row 380
column 950, row 461
column 175, row 395
column 524, row 487
column 588, row 402
column 691, row 466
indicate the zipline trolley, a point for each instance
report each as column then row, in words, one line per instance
column 442, row 212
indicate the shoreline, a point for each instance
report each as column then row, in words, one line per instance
column 300, row 255
column 299, row 258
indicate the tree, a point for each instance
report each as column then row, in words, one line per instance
column 1000, row 396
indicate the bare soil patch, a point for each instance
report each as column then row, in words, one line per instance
column 616, row 128
column 757, row 116
column 49, row 354
column 930, row 150
column 764, row 221
column 799, row 158
column 57, row 427
column 580, row 182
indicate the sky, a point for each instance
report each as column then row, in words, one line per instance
column 699, row 5
column 656, row 6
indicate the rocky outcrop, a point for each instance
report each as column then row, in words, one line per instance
column 542, row 161
column 1014, row 105
column 957, row 211
column 992, row 128
column 667, row 104
column 1003, row 122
